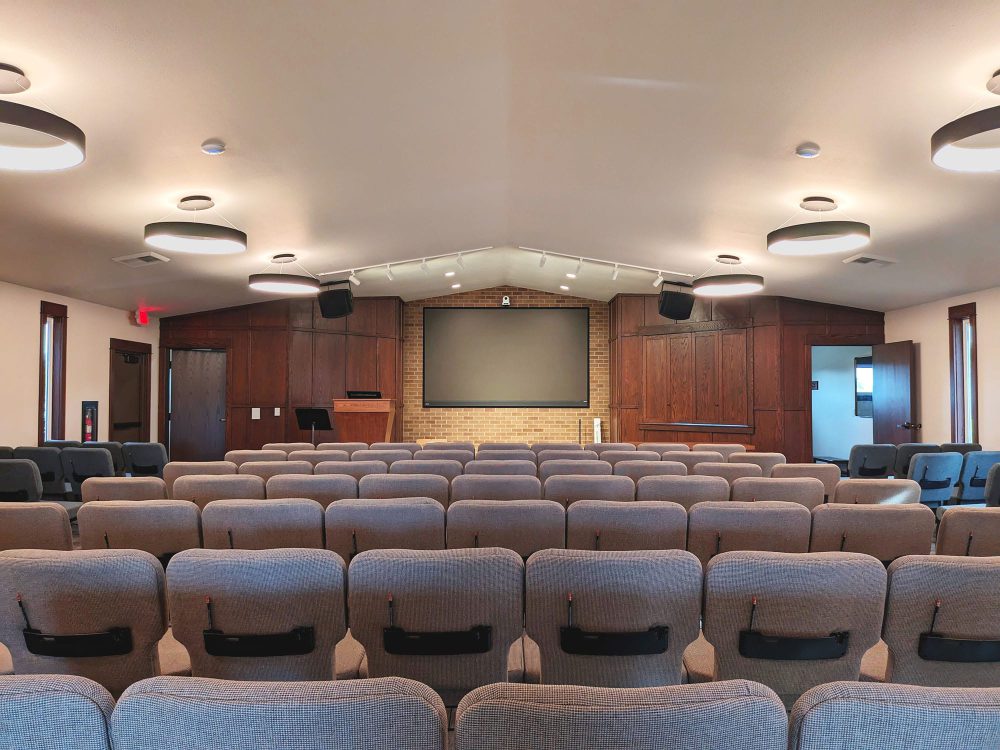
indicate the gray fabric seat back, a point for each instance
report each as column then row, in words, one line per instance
column 614, row 456
column 564, row 467
column 798, row 596
column 60, row 444
column 601, row 447
column 612, row 592
column 272, row 592
column 204, row 489
column 877, row 491
column 962, row 448
column 123, row 488
column 49, row 467
column 864, row 716
column 386, row 456
column 662, row 448
column 648, row 525
column 572, row 454
column 807, row 491
column 882, row 531
column 317, row 457
column 683, row 490
column 524, row 526
column 288, row 447
column 828, row 474
column 566, row 717
column 905, row 453
column 871, row 461
column 937, row 474
column 505, row 467
column 6, row 452
column 348, row 448
column 992, row 497
column 636, row 470
column 390, row 446
column 160, row 527
column 176, row 469
column 84, row 592
column 356, row 469
column 549, row 446
column 80, row 464
column 450, row 445
column 443, row 467
column 975, row 472
column 446, row 591
column 145, row 459
column 766, row 461
column 692, row 458
column 54, row 712
column 442, row 454
column 567, row 489
column 495, row 487
column 244, row 456
column 387, row 714
column 323, row 488
column 353, row 526
column 267, row 469
column 20, row 481
column 495, row 446
column 117, row 454
column 728, row 471
column 726, row 449
column 262, row 524
column 34, row 526
column 377, row 486
column 505, row 454
column 947, row 597
column 969, row 532
column 714, row 528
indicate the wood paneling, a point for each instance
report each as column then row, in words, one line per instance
column 735, row 377
column 682, row 380
column 386, row 358
column 300, row 374
column 656, row 380
column 364, row 318
column 766, row 376
column 706, row 373
column 387, row 318
column 629, row 352
column 631, row 313
column 329, row 368
column 362, row 363
column 268, row 367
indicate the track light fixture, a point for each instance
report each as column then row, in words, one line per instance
column 659, row 279
column 614, row 273
column 541, row 260
column 354, row 279
column 388, row 272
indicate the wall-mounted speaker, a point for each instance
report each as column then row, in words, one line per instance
column 676, row 305
column 336, row 303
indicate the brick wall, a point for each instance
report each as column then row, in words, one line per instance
column 527, row 424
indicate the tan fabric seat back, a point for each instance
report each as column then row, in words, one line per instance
column 614, row 456
column 54, row 712
column 565, row 454
column 798, row 595
column 692, row 458
column 564, row 467
column 726, row 449
column 969, row 531
column 968, row 589
column 524, row 526
column 488, row 446
column 123, row 488
column 353, row 526
column 35, row 526
column 387, row 456
column 356, row 469
column 83, row 592
column 262, row 524
column 649, row 525
column 601, row 447
column 317, row 457
column 377, row 486
column 159, row 527
column 288, row 447
column 434, row 592
column 323, row 488
column 245, row 456
column 882, row 531
column 662, row 448
column 176, row 469
column 449, row 445
column 806, row 491
column 267, row 469
column 399, row 446
column 505, row 454
column 568, row 489
column 726, row 526
column 348, row 448
column 202, row 490
column 507, row 467
column 877, row 491
column 636, row 470
column 241, row 592
column 612, row 592
column 568, row 446
column 495, row 487
column 828, row 474
column 685, row 491
column 729, row 472
column 442, row 454
column 766, row 461
column 442, row 467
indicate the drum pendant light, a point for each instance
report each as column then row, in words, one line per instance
column 284, row 283
column 970, row 143
column 727, row 284
column 819, row 237
column 194, row 237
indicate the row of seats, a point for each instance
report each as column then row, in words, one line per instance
column 538, row 447
column 400, row 714
column 459, row 619
column 961, row 473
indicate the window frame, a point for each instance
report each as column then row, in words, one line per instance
column 964, row 400
column 861, row 397
column 57, row 409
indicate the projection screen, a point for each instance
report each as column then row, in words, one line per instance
column 506, row 357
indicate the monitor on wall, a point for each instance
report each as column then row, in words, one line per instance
column 507, row 357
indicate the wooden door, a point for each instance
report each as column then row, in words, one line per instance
column 196, row 416
column 128, row 397
column 894, row 393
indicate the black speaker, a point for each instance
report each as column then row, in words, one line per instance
column 336, row 303
column 676, row 305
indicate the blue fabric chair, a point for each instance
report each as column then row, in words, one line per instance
column 871, row 461
column 937, row 474
column 905, row 453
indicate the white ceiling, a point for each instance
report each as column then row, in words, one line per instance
column 657, row 133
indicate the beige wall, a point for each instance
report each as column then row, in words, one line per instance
column 90, row 328
column 518, row 424
column 927, row 326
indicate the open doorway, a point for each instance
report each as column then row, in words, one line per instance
column 842, row 405
column 128, row 401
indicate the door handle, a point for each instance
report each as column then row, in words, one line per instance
column 911, row 426
column 222, row 419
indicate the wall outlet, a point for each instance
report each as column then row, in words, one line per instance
column 277, row 411
column 254, row 412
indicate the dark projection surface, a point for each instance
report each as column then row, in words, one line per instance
column 515, row 356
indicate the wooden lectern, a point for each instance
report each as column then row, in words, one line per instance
column 364, row 420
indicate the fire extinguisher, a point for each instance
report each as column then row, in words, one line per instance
column 88, row 428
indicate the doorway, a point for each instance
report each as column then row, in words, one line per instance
column 128, row 398
column 196, row 404
column 842, row 405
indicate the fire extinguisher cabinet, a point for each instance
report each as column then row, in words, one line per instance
column 88, row 422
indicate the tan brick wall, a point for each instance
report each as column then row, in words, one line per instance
column 527, row 424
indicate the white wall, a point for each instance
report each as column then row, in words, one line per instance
column 927, row 325
column 90, row 328
column 835, row 427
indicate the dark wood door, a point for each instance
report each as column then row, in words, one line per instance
column 894, row 393
column 128, row 398
column 197, row 406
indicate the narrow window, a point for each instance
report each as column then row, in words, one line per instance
column 52, row 373
column 964, row 389
column 863, row 386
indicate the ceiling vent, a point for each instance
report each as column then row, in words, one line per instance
column 869, row 260
column 141, row 260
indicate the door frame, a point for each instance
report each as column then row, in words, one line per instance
column 213, row 343
column 133, row 347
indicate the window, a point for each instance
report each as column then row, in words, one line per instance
column 52, row 373
column 964, row 390
column 863, row 383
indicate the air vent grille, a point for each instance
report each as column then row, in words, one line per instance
column 871, row 261
column 141, row 260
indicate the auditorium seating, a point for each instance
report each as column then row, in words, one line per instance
column 387, row 456
column 728, row 471
column 176, row 469
column 354, row 526
column 614, row 456
column 684, row 490
column 288, row 447
column 411, row 448
column 377, row 486
column 976, row 466
column 993, row 487
column 245, row 456
column 34, row 526
column 882, row 531
column 766, row 461
column 567, row 489
column 503, row 454
column 716, row 527
column 525, row 526
column 636, row 470
column 828, row 474
column 448, row 468
column 49, row 464
column 969, row 532
column 598, row 448
column 962, row 448
column 560, row 467
column 54, row 712
column 905, row 453
column 20, row 481
column 117, row 455
column 203, row 489
column 145, row 459
column 642, row 525
column 258, row 615
column 724, row 449
column 572, row 454
column 160, row 527
column 317, row 457
column 879, row 491
column 937, row 474
column 60, row 444
column 662, row 448
column 495, row 446
column 352, row 468
column 262, row 524
column 539, row 447
column 495, row 487
column 458, row 455
column 690, row 459
column 323, row 488
column 450, row 445
column 612, row 619
column 348, row 448
column 123, row 488
column 79, row 464
column 509, row 467
column 807, row 491
column 267, row 469
column 871, row 461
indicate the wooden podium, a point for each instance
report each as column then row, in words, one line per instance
column 364, row 420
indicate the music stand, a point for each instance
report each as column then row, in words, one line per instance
column 313, row 419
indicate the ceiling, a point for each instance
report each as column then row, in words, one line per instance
column 655, row 133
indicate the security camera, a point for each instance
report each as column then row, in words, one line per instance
column 505, row 302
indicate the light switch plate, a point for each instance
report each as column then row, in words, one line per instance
column 277, row 411
column 254, row 412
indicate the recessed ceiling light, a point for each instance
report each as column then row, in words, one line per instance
column 193, row 236
column 571, row 275
column 449, row 274
column 727, row 284
column 456, row 286
column 807, row 150
column 564, row 287
column 284, row 283
column 968, row 144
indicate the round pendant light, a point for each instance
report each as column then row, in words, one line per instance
column 194, row 237
column 284, row 283
column 970, row 143
column 819, row 237
column 32, row 140
column 727, row 284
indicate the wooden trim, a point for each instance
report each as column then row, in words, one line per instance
column 957, row 315
column 708, row 325
column 131, row 347
column 696, row 427
column 59, row 332
column 136, row 347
